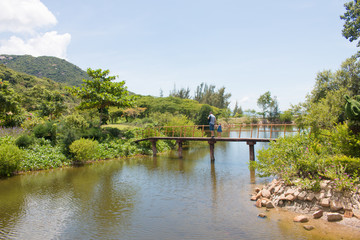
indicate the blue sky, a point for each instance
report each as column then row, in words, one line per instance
column 249, row 47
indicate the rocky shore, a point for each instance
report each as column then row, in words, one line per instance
column 329, row 204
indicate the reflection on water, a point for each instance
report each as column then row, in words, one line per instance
column 143, row 198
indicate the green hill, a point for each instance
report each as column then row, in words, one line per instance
column 35, row 92
column 54, row 68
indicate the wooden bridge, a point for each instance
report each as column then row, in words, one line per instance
column 249, row 133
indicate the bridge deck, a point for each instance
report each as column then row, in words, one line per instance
column 217, row 139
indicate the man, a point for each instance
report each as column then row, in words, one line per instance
column 212, row 120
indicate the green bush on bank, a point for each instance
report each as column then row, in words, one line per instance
column 84, row 149
column 312, row 158
column 10, row 157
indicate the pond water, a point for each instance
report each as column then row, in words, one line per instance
column 145, row 198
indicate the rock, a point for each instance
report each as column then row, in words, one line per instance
column 296, row 193
column 302, row 195
column 332, row 217
column 258, row 195
column 308, row 227
column 301, row 218
column 265, row 193
column 335, row 206
column 257, row 190
column 318, row 214
column 277, row 188
column 253, row 198
column 289, row 191
column 356, row 213
column 282, row 197
column 348, row 213
column 262, row 215
column 325, row 202
column 264, row 201
column 290, row 197
column 258, row 203
column 270, row 204
column 310, row 196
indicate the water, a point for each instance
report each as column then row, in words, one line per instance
column 145, row 198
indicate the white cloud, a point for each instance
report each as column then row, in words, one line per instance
column 19, row 16
column 48, row 44
column 244, row 99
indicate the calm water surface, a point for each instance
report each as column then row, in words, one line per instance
column 144, row 198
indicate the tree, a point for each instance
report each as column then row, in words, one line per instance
column 237, row 112
column 206, row 95
column 100, row 92
column 182, row 93
column 269, row 106
column 203, row 115
column 10, row 110
column 351, row 30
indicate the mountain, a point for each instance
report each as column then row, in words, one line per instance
column 53, row 68
column 34, row 92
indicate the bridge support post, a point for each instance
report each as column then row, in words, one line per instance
column 180, row 148
column 153, row 143
column 251, row 149
column 212, row 147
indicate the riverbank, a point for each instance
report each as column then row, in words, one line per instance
column 327, row 205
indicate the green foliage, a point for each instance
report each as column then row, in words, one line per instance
column 205, row 94
column 342, row 181
column 10, row 157
column 101, row 93
column 84, row 149
column 204, row 114
column 43, row 155
column 56, row 69
column 10, row 111
column 351, row 30
column 46, row 131
column 286, row 117
column 76, row 120
column 269, row 106
column 24, row 141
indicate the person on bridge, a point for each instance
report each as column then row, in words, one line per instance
column 212, row 121
column 219, row 130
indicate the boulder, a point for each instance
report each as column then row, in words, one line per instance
column 262, row 215
column 265, row 193
column 257, row 190
column 302, row 195
column 310, row 196
column 325, row 202
column 318, row 214
column 253, row 198
column 308, row 227
column 332, row 217
column 290, row 197
column 301, row 218
column 335, row 206
column 270, row 204
column 356, row 213
column 290, row 191
column 258, row 203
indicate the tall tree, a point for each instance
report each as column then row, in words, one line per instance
column 351, row 30
column 101, row 92
column 269, row 106
column 10, row 106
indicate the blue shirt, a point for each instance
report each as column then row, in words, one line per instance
column 211, row 119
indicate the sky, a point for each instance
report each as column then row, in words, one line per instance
column 248, row 47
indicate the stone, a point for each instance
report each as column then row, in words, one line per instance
column 290, row 198
column 282, row 197
column 289, row 191
column 335, row 206
column 310, row 196
column 258, row 203
column 348, row 213
column 262, row 215
column 253, row 198
column 356, row 213
column 302, row 195
column 270, row 204
column 301, row 218
column 265, row 193
column 296, row 193
column 308, row 227
column 258, row 195
column 332, row 217
column 257, row 190
column 318, row 214
column 325, row 202
column 277, row 188
column 264, row 201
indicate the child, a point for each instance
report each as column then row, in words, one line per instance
column 219, row 130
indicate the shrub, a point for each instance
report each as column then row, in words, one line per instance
column 10, row 157
column 84, row 149
column 47, row 131
column 24, row 141
column 76, row 121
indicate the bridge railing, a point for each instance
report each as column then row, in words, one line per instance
column 270, row 131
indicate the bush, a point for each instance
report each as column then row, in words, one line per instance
column 24, row 141
column 84, row 149
column 47, row 131
column 10, row 157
